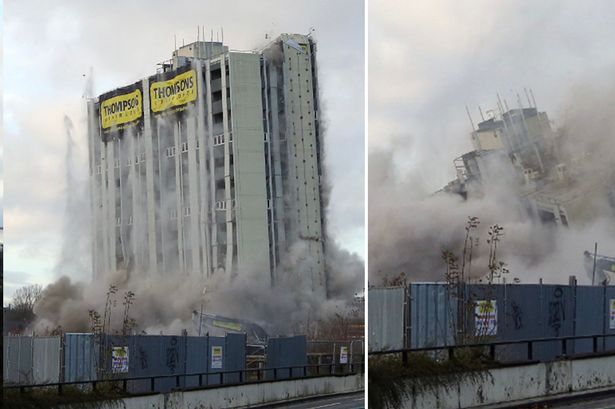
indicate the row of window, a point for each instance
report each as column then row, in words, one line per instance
column 221, row 205
column 140, row 158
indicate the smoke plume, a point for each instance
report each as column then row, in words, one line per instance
column 410, row 226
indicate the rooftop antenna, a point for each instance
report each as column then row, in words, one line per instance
column 212, row 35
column 528, row 98
column 500, row 106
column 470, row 117
column 175, row 40
column 533, row 99
column 532, row 141
column 506, row 138
column 481, row 113
column 222, row 35
column 198, row 33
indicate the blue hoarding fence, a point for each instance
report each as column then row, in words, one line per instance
column 444, row 315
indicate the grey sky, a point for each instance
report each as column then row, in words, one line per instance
column 49, row 46
column 429, row 59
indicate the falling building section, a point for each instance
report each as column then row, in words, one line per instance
column 558, row 177
column 212, row 165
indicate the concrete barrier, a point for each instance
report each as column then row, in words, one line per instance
column 518, row 384
column 241, row 396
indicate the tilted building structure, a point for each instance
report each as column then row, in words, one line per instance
column 212, row 165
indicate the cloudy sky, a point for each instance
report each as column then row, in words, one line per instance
column 428, row 60
column 49, row 46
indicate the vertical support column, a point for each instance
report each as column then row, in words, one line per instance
column 152, row 251
column 195, row 242
column 121, row 195
column 178, row 195
column 276, row 167
column 135, row 241
column 271, row 208
column 111, row 216
column 204, row 140
column 291, row 174
column 212, row 173
column 228, row 198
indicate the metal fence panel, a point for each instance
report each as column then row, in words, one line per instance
column 609, row 316
column 151, row 355
column 386, row 318
column 196, row 359
column 81, row 354
column 212, row 368
column 589, row 310
column 46, row 359
column 433, row 313
column 17, row 360
column 523, row 311
column 286, row 352
column 234, row 356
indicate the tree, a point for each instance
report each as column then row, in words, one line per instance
column 25, row 298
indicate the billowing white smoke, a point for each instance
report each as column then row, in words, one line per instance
column 166, row 302
column 409, row 226
column 75, row 250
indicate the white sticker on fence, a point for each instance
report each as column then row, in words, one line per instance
column 216, row 357
column 612, row 314
column 486, row 318
column 343, row 355
column 119, row 360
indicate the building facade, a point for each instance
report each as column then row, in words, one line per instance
column 213, row 165
column 519, row 149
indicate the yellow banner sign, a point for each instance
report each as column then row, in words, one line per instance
column 121, row 109
column 227, row 325
column 177, row 91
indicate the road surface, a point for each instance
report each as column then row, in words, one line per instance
column 595, row 403
column 349, row 401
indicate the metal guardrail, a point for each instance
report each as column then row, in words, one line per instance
column 492, row 347
column 258, row 376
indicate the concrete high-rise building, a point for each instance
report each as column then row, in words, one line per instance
column 213, row 165
column 539, row 166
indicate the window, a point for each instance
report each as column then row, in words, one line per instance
column 221, row 205
column 170, row 151
column 218, row 140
